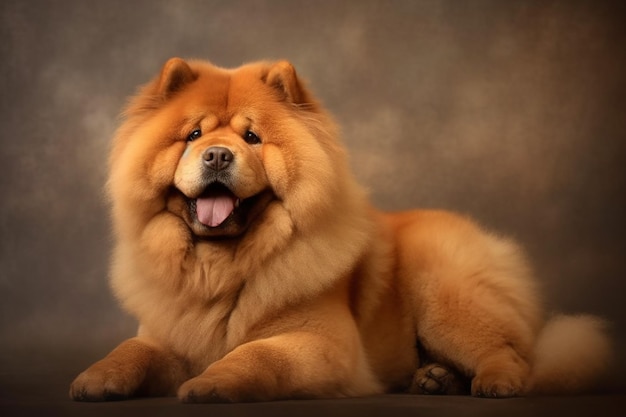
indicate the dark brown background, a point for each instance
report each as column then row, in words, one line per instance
column 510, row 111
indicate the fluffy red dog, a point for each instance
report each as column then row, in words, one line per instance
column 259, row 271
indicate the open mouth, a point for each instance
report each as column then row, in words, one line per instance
column 220, row 213
column 215, row 205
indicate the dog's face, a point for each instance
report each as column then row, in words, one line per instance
column 216, row 147
column 221, row 176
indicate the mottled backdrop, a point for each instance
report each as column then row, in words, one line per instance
column 511, row 111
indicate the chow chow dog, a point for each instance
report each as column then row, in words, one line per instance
column 258, row 270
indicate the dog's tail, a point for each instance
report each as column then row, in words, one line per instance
column 572, row 354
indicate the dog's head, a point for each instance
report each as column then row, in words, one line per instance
column 216, row 147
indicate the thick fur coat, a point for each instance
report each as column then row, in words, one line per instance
column 258, row 270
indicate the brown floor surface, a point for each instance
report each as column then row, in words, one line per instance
column 41, row 393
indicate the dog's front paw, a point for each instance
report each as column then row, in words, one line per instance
column 222, row 387
column 204, row 389
column 103, row 385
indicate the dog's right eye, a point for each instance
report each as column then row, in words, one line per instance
column 194, row 135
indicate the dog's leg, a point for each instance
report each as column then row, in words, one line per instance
column 473, row 298
column 479, row 327
column 293, row 365
column 133, row 368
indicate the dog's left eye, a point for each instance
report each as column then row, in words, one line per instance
column 251, row 138
column 194, row 135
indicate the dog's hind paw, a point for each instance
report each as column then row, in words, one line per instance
column 436, row 379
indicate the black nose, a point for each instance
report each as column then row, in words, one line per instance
column 217, row 157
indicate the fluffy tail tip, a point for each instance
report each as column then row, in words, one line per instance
column 572, row 355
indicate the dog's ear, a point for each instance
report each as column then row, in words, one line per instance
column 175, row 74
column 282, row 77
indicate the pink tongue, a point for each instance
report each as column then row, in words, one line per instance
column 212, row 211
